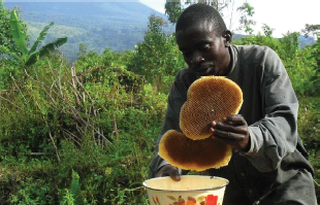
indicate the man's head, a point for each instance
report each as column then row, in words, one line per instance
column 204, row 40
column 198, row 14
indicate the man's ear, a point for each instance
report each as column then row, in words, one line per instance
column 228, row 38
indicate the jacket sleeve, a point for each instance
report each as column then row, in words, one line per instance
column 177, row 97
column 275, row 136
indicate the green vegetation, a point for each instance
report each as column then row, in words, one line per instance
column 118, row 25
column 158, row 64
column 85, row 133
column 19, row 52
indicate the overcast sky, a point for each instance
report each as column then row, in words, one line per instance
column 282, row 15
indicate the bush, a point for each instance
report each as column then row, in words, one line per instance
column 54, row 126
column 301, row 65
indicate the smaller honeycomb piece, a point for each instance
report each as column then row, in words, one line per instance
column 185, row 153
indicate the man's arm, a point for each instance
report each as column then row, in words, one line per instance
column 275, row 136
column 267, row 141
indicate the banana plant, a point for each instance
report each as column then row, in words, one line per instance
column 22, row 54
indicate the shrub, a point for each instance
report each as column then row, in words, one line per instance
column 56, row 124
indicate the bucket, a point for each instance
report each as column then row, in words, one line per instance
column 190, row 190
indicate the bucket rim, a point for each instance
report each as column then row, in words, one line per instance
column 188, row 190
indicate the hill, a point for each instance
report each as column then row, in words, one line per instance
column 99, row 25
column 119, row 25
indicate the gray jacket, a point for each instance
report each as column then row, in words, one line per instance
column 275, row 170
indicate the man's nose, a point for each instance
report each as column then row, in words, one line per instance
column 197, row 57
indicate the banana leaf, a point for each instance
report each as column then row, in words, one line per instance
column 45, row 50
column 19, row 36
column 42, row 36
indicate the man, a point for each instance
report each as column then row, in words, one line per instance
column 268, row 165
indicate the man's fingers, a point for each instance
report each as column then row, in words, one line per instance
column 235, row 120
column 232, row 130
column 174, row 174
column 169, row 170
column 228, row 127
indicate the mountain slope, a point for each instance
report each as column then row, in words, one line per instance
column 127, row 12
column 99, row 25
column 119, row 25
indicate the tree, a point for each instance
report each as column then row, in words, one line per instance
column 267, row 30
column 157, row 57
column 7, row 61
column 290, row 44
column 5, row 28
column 314, row 30
column 311, row 29
column 174, row 8
column 245, row 21
column 24, row 56
column 82, row 50
column 5, row 25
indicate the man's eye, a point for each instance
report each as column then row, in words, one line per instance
column 206, row 47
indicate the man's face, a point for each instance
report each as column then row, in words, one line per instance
column 203, row 51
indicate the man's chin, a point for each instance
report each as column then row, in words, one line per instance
column 205, row 74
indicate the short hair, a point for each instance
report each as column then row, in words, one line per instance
column 201, row 12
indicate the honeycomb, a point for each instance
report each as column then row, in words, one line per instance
column 185, row 153
column 209, row 98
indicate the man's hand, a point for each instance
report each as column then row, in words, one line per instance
column 169, row 170
column 233, row 131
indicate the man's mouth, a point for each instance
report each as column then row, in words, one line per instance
column 205, row 70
